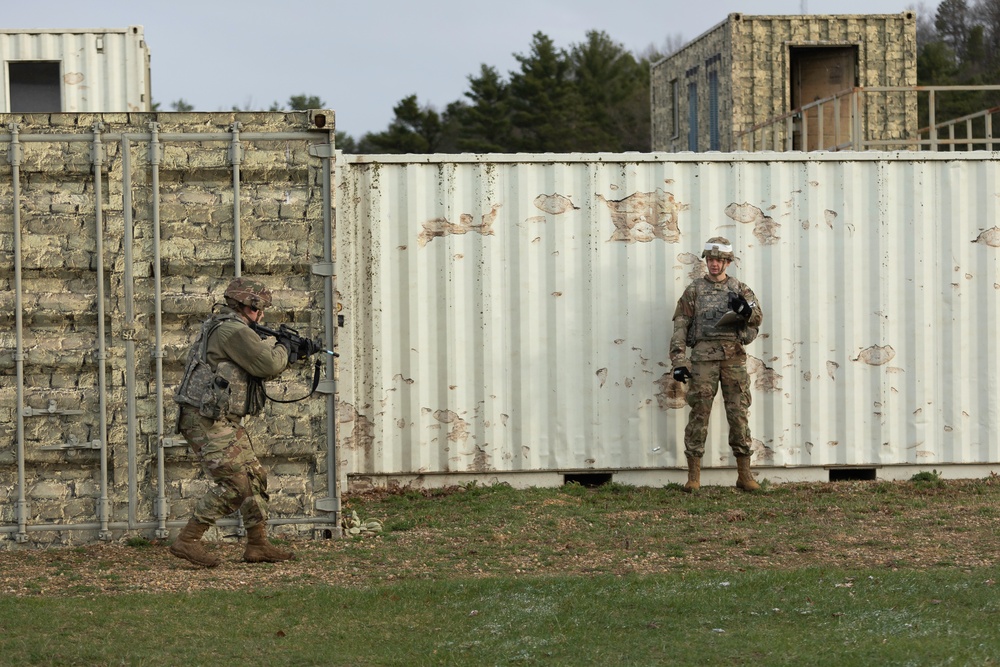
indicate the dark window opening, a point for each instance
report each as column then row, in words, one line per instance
column 588, row 479
column 34, row 87
column 713, row 111
column 852, row 474
column 692, row 116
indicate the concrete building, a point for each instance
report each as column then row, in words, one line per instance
column 751, row 70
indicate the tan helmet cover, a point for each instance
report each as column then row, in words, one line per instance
column 248, row 292
column 718, row 247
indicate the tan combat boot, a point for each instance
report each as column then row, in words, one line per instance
column 189, row 547
column 259, row 550
column 694, row 474
column 744, row 478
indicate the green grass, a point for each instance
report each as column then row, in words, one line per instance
column 802, row 617
column 865, row 573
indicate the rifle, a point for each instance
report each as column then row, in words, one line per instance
column 299, row 347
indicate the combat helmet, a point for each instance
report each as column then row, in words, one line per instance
column 718, row 247
column 248, row 292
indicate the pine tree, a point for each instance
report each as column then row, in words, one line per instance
column 485, row 125
column 546, row 110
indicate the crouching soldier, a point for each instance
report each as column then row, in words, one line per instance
column 223, row 383
column 715, row 317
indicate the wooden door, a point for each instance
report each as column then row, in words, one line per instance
column 818, row 73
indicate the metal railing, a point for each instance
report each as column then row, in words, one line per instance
column 842, row 122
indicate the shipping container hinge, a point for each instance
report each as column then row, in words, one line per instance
column 28, row 411
column 325, row 151
column 323, row 268
column 73, row 442
column 162, row 508
column 326, row 387
column 15, row 152
column 328, row 504
column 174, row 442
column 21, row 516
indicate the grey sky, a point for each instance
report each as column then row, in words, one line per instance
column 362, row 56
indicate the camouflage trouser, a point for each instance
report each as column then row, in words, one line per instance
column 228, row 459
column 708, row 375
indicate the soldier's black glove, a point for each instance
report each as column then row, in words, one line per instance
column 681, row 374
column 307, row 348
column 739, row 305
column 287, row 344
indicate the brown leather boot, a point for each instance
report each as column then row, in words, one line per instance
column 189, row 547
column 694, row 474
column 259, row 550
column 744, row 478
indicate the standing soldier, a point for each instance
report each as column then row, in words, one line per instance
column 223, row 382
column 715, row 317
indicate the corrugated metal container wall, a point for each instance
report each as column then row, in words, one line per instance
column 102, row 70
column 513, row 313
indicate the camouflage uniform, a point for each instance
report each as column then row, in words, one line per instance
column 222, row 445
column 717, row 357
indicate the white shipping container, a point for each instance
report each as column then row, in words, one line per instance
column 512, row 314
column 75, row 70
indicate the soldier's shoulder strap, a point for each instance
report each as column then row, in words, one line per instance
column 209, row 326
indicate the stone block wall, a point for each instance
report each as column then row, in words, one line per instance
column 281, row 230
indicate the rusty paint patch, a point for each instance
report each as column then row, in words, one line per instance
column 830, row 217
column 765, row 228
column 438, row 227
column 480, row 460
column 459, row 431
column 645, row 216
column 876, row 355
column 831, row 368
column 694, row 261
column 670, row 394
column 990, row 237
column 602, row 374
column 767, row 379
column 362, row 436
column 72, row 78
column 555, row 204
column 760, row 452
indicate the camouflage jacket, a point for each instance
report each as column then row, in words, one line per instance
column 696, row 334
column 224, row 376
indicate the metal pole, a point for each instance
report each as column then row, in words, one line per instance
column 931, row 123
column 330, row 319
column 98, row 161
column 21, row 507
column 154, row 164
column 236, row 158
column 128, row 332
column 330, row 324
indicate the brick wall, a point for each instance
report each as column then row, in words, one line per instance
column 281, row 232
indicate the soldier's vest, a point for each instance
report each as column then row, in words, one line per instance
column 711, row 303
column 226, row 390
